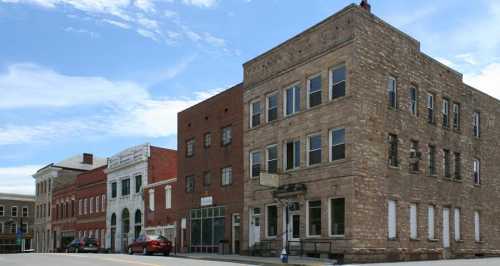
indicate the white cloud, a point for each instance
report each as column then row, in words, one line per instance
column 486, row 80
column 145, row 5
column 131, row 110
column 92, row 34
column 200, row 3
column 18, row 179
column 117, row 23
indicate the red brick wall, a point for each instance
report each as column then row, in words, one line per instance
column 89, row 185
column 63, row 220
column 160, row 216
column 162, row 164
column 211, row 116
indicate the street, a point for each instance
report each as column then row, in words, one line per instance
column 50, row 259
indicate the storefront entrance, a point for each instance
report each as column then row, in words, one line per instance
column 207, row 229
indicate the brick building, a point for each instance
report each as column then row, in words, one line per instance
column 159, row 214
column 209, row 194
column 126, row 175
column 90, row 192
column 63, row 172
column 63, row 214
column 381, row 152
column 17, row 213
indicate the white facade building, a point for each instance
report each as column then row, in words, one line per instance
column 127, row 173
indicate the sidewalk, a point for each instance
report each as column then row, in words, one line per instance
column 264, row 261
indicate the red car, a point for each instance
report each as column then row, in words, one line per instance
column 150, row 244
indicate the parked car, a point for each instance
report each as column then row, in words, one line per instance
column 150, row 244
column 87, row 244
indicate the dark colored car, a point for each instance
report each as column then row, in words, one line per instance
column 150, row 244
column 87, row 244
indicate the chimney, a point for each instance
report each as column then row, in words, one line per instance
column 88, row 158
column 364, row 4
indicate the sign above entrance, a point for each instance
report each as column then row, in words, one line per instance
column 269, row 180
column 207, row 201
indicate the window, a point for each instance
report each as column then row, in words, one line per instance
column 314, row 149
column 477, row 172
column 456, row 116
column 430, row 108
column 413, row 101
column 337, row 144
column 477, row 229
column 272, row 159
column 13, row 211
column 292, row 151
column 138, row 183
column 391, row 213
column 314, row 91
column 255, row 163
column 393, row 150
column 2, row 211
column 458, row 165
column 25, row 212
column 103, row 203
column 114, row 189
column 314, row 218
column 13, row 228
column 254, row 114
column 151, row 199
column 226, row 136
column 432, row 160
column 446, row 113
column 272, row 107
column 476, row 124
column 414, row 156
column 168, row 197
column 85, row 204
column 392, row 93
column 207, row 140
column 447, row 163
column 456, row 220
column 190, row 147
column 337, row 217
column 91, row 206
column 430, row 223
column 206, row 179
column 272, row 221
column 126, row 187
column 227, row 176
column 80, row 207
column 292, row 100
column 190, row 183
column 413, row 221
column 1, row 228
column 338, row 82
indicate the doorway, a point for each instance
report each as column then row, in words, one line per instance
column 235, row 244
column 254, row 228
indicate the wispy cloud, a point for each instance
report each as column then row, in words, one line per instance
column 131, row 109
column 18, row 179
column 92, row 34
column 200, row 3
column 486, row 80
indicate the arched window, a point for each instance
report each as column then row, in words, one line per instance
column 113, row 220
column 125, row 221
column 137, row 223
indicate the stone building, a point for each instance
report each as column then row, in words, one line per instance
column 127, row 174
column 381, row 152
column 63, row 172
column 90, row 205
column 209, row 194
column 16, row 215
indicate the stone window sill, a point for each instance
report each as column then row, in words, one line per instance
column 415, row 239
column 433, row 240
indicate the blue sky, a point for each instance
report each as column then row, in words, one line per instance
column 102, row 75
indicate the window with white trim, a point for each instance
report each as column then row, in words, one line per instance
column 292, row 100
column 446, row 113
column 292, row 154
column 151, row 199
column 91, row 205
column 314, row 91
column 430, row 223
column 272, row 107
column 190, row 147
column 314, row 149
column 227, row 176
column 337, row 217
column 456, row 116
column 25, row 212
column 168, row 197
column 255, row 162
column 430, row 108
column 13, row 211
column 314, row 218
column 255, row 114
column 456, row 224
column 414, row 101
column 272, row 159
column 227, row 137
column 337, row 144
column 391, row 219
column 413, row 221
column 337, row 82
column 477, row 172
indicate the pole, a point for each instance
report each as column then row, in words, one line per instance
column 287, row 226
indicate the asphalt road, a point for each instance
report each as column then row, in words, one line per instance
column 475, row 262
column 101, row 260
